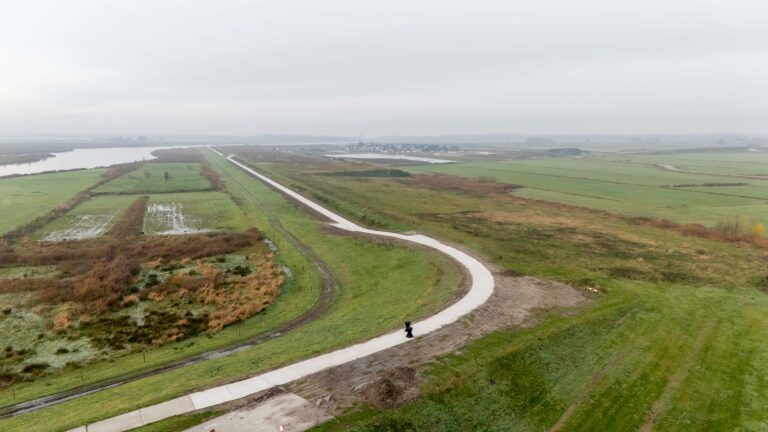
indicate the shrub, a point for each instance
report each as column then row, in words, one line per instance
column 61, row 321
column 35, row 368
column 8, row 378
column 151, row 280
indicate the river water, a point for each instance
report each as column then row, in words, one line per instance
column 83, row 158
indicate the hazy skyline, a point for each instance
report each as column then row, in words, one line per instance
column 396, row 67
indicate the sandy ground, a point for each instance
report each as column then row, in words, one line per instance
column 284, row 412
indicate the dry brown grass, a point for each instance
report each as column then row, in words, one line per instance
column 102, row 271
column 132, row 222
column 721, row 233
column 233, row 298
column 211, row 175
column 479, row 186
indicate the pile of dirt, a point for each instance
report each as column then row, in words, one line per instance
column 391, row 388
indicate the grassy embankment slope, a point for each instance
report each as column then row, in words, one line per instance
column 24, row 198
column 630, row 185
column 675, row 340
column 373, row 276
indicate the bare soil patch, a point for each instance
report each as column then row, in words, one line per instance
column 391, row 387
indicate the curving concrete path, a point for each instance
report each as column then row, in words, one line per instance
column 481, row 289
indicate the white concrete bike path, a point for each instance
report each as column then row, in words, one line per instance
column 479, row 292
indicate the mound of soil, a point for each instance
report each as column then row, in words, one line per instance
column 390, row 388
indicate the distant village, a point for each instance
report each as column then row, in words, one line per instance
column 364, row 147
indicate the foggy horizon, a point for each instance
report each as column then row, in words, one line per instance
column 349, row 69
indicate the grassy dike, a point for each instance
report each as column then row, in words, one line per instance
column 674, row 341
column 375, row 278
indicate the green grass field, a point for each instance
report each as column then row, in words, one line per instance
column 191, row 212
column 673, row 342
column 679, row 360
column 151, row 178
column 362, row 307
column 719, row 162
column 90, row 219
column 22, row 272
column 616, row 184
column 25, row 198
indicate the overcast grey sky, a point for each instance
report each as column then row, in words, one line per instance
column 384, row 67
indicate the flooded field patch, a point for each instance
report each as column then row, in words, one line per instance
column 169, row 218
column 83, row 227
column 192, row 212
column 90, row 219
